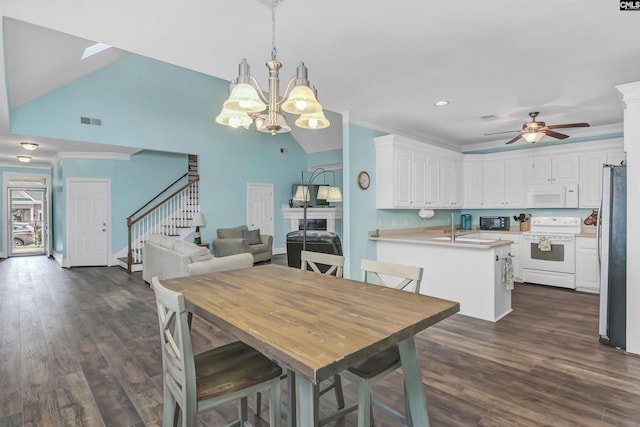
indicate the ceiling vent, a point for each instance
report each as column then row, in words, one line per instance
column 90, row 121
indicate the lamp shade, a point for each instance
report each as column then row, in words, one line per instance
column 533, row 137
column 234, row 118
column 302, row 194
column 301, row 101
column 198, row 220
column 323, row 192
column 335, row 195
column 313, row 121
column 244, row 97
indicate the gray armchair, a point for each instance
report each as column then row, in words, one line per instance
column 238, row 240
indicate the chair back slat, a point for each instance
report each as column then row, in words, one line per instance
column 373, row 272
column 311, row 260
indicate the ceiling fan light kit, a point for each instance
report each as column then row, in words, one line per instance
column 534, row 131
column 247, row 103
column 29, row 146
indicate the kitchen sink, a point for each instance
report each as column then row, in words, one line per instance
column 463, row 239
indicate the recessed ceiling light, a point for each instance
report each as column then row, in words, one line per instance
column 441, row 103
column 24, row 159
column 29, row 145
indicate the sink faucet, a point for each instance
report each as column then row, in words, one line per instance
column 453, row 227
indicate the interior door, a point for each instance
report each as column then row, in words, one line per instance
column 260, row 207
column 88, row 222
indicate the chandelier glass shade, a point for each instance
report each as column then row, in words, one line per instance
column 248, row 104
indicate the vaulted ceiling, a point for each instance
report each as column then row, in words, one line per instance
column 383, row 63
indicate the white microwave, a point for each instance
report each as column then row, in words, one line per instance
column 552, row 196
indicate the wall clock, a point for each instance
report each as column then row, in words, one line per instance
column 364, row 180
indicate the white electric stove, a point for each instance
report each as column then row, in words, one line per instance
column 548, row 251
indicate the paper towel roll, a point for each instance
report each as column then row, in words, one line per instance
column 426, row 213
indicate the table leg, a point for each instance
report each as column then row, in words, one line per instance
column 307, row 394
column 291, row 398
column 413, row 382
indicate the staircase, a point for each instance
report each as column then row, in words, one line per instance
column 169, row 213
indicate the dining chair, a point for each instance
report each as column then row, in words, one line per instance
column 331, row 265
column 382, row 364
column 195, row 383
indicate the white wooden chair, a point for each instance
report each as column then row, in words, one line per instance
column 195, row 383
column 315, row 261
column 382, row 364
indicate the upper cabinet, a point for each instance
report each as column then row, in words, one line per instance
column 503, row 180
column 504, row 184
column 591, row 175
column 473, row 183
column 552, row 170
column 415, row 175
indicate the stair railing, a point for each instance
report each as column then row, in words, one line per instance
column 167, row 216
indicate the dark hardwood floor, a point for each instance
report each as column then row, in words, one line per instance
column 80, row 347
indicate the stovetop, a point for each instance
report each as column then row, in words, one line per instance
column 556, row 224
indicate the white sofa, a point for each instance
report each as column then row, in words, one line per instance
column 167, row 257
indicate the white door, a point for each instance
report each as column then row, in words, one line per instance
column 260, row 207
column 88, row 221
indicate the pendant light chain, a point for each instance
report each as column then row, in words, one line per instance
column 273, row 29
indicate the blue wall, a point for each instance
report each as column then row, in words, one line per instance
column 152, row 105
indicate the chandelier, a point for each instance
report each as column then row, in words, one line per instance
column 247, row 103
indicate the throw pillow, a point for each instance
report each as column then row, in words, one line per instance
column 252, row 236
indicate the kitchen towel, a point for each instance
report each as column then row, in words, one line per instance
column 507, row 273
column 544, row 244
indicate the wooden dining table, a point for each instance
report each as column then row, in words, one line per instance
column 316, row 325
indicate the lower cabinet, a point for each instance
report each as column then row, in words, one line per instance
column 587, row 270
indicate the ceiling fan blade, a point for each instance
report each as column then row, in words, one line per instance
column 511, row 141
column 555, row 134
column 499, row 133
column 569, row 125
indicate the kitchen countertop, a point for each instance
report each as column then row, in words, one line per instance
column 436, row 237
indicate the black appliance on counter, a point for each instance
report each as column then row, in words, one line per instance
column 494, row 223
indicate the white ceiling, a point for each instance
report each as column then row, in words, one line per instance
column 385, row 63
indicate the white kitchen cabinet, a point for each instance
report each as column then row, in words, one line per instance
column 407, row 174
column 450, row 183
column 504, row 184
column 590, row 179
column 473, row 187
column 587, row 271
column 552, row 170
column 591, row 175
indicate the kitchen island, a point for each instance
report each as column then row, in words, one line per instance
column 468, row 270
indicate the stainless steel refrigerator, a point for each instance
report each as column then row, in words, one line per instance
column 612, row 247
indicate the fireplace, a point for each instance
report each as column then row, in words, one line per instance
column 313, row 224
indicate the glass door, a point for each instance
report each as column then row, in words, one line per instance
column 27, row 225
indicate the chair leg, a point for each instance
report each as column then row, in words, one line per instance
column 242, row 411
column 169, row 409
column 337, row 388
column 364, row 404
column 274, row 404
column 258, row 403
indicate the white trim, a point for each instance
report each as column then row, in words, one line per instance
column 89, row 155
column 327, row 167
column 66, row 262
column 4, row 217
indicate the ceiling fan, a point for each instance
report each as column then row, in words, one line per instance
column 533, row 131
